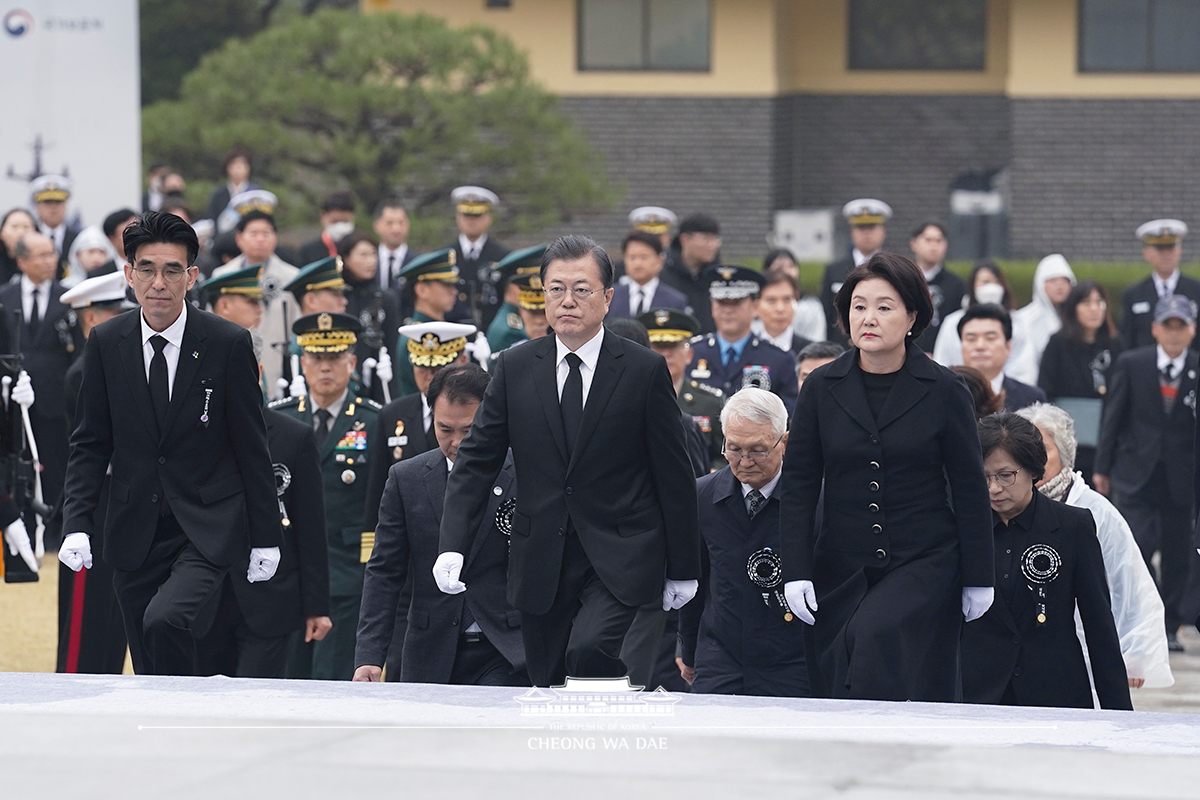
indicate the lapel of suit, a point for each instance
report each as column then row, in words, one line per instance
column 1185, row 401
column 134, row 364
column 608, row 372
column 435, row 484
column 341, row 423
column 545, row 382
column 909, row 388
column 1148, row 378
column 46, row 332
column 728, row 493
column 191, row 354
column 850, row 393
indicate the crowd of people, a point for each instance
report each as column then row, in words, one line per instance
column 902, row 488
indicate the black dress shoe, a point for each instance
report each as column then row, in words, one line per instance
column 1173, row 643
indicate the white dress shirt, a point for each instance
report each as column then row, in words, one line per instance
column 471, row 249
column 385, row 279
column 589, row 353
column 43, row 288
column 1166, row 288
column 930, row 274
column 638, row 305
column 997, row 383
column 174, row 337
column 1164, row 359
column 861, row 258
column 764, row 491
column 426, row 413
column 57, row 235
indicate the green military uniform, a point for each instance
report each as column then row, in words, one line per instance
column 343, row 453
column 506, row 328
column 671, row 328
column 517, row 268
column 435, row 266
column 246, row 282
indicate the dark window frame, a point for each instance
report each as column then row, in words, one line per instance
column 852, row 67
column 646, row 66
column 1080, row 69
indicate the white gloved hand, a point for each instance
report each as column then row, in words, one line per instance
column 801, row 596
column 446, row 571
column 368, row 372
column 976, row 600
column 263, row 563
column 676, row 594
column 281, row 389
column 76, row 551
column 22, row 391
column 298, row 388
column 17, row 539
column 383, row 368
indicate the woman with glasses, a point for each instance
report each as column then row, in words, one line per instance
column 904, row 552
column 1024, row 651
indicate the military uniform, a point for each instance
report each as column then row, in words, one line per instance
column 436, row 266
column 762, row 365
column 506, row 328
column 344, row 454
column 864, row 211
column 704, row 404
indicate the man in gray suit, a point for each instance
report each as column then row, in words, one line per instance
column 470, row 638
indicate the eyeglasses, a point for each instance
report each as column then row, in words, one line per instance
column 1006, row 478
column 734, row 455
column 170, row 274
column 580, row 293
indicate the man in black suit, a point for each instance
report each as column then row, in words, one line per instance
column 470, row 638
column 867, row 218
column 251, row 622
column 1162, row 247
column 699, row 248
column 986, row 334
column 391, row 226
column 475, row 251
column 928, row 244
column 49, row 340
column 171, row 401
column 607, row 512
column 1147, row 438
column 643, row 291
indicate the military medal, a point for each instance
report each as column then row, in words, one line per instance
column 1040, row 564
column 207, row 397
column 765, row 570
column 756, row 376
column 348, row 477
column 702, row 371
column 283, row 479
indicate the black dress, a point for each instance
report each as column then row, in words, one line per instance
column 1072, row 369
column 889, row 563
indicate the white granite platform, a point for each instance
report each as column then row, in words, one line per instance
column 132, row 737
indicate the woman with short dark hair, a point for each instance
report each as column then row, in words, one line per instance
column 905, row 549
column 1024, row 650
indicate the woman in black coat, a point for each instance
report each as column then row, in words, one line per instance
column 1077, row 362
column 377, row 308
column 906, row 544
column 1024, row 651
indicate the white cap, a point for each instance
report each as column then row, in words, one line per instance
column 436, row 344
column 652, row 219
column 866, row 211
column 50, row 188
column 445, row 331
column 107, row 290
column 1162, row 231
column 474, row 199
column 254, row 200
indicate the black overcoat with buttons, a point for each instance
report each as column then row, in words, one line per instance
column 907, row 524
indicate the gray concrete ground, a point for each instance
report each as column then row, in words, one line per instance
column 1184, row 696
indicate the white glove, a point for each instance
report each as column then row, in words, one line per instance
column 446, row 571
column 479, row 350
column 298, row 388
column 368, row 372
column 22, row 391
column 801, row 596
column 676, row 594
column 263, row 563
column 75, row 552
column 18, row 542
column 976, row 600
column 383, row 368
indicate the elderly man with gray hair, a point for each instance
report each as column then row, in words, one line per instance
column 1136, row 605
column 743, row 638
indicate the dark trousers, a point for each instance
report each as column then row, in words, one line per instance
column 477, row 662
column 91, row 630
column 582, row 633
column 161, row 599
column 1162, row 525
column 231, row 648
column 643, row 642
column 395, row 653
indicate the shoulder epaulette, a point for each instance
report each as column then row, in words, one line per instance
column 714, row 391
column 369, row 403
column 697, row 339
column 283, row 402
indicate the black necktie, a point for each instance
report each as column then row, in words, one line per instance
column 35, row 318
column 323, row 418
column 571, row 402
column 1169, row 372
column 756, row 501
column 160, row 392
column 390, row 278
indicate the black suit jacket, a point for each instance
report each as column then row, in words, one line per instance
column 406, row 541
column 1018, row 395
column 946, row 290
column 1138, row 303
column 48, row 356
column 1044, row 663
column 1136, row 433
column 627, row 488
column 216, row 477
column 469, row 280
column 399, row 434
column 665, row 296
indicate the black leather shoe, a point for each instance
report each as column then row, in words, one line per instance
column 1173, row 643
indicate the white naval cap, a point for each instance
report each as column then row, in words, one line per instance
column 52, row 188
column 474, row 199
column 1162, row 231
column 867, row 211
column 436, row 343
column 106, row 290
column 652, row 219
column 254, row 200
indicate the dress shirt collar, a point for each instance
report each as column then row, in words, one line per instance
column 449, row 465
column 765, row 491
column 861, row 258
column 1166, row 287
column 27, row 286
column 426, row 413
column 930, row 274
column 1024, row 520
column 739, row 346
column 649, row 288
column 471, row 249
column 588, row 352
column 1164, row 359
column 333, row 408
column 998, row 383
column 173, row 334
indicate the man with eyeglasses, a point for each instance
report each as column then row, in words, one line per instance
column 739, row 636
column 170, row 400
column 605, row 520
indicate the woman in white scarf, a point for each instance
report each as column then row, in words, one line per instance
column 1136, row 605
column 1038, row 321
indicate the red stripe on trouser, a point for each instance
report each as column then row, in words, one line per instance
column 76, row 633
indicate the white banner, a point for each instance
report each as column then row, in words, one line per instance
column 71, row 78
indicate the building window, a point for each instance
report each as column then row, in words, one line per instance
column 1139, row 36
column 669, row 35
column 918, row 34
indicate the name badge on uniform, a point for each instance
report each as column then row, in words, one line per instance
column 756, row 376
column 702, row 371
column 1140, row 308
column 397, row 441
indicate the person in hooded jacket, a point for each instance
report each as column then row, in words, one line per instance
column 1038, row 321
